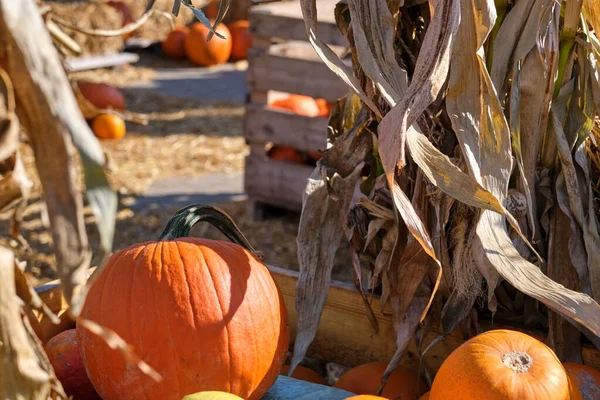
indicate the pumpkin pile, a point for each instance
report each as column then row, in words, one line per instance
column 191, row 42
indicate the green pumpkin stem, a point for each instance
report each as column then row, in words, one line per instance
column 182, row 222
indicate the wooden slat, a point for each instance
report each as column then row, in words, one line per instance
column 275, row 182
column 284, row 21
column 344, row 334
column 274, row 70
column 284, row 128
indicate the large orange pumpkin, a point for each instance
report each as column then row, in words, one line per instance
column 64, row 354
column 304, row 374
column 199, row 51
column 108, row 126
column 206, row 314
column 366, row 379
column 241, row 39
column 302, row 105
column 586, row 378
column 502, row 364
column 173, row 46
column 102, row 95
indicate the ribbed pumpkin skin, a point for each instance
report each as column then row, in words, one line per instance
column 205, row 314
column 475, row 370
column 366, row 379
column 586, row 378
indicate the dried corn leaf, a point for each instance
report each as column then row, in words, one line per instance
column 591, row 11
column 54, row 124
column 332, row 60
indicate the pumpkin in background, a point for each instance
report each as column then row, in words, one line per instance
column 108, row 126
column 212, row 9
column 64, row 354
column 325, row 107
column 502, row 364
column 425, row 396
column 315, row 155
column 214, row 52
column 286, row 154
column 304, row 374
column 205, row 314
column 212, row 396
column 102, row 95
column 296, row 103
column 586, row 378
column 173, row 46
column 366, row 379
column 125, row 13
column 241, row 39
column 365, row 397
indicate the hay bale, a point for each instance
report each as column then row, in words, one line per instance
column 90, row 15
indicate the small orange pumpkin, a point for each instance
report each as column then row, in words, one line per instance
column 366, row 379
column 102, row 95
column 325, row 107
column 108, row 126
column 586, row 378
column 302, row 105
column 241, row 39
column 286, row 154
column 64, row 354
column 173, row 46
column 206, row 314
column 214, row 52
column 304, row 374
column 502, row 364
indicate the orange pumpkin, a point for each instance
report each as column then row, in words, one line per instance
column 64, row 354
column 212, row 9
column 214, row 52
column 241, row 39
column 206, row 314
column 365, row 397
column 586, row 378
column 304, row 374
column 102, row 95
column 108, row 126
column 502, row 364
column 325, row 107
column 315, row 155
column 425, row 396
column 366, row 379
column 286, row 154
column 302, row 105
column 173, row 46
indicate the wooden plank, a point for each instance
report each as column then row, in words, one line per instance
column 284, row 21
column 345, row 335
column 103, row 61
column 262, row 124
column 283, row 73
column 275, row 182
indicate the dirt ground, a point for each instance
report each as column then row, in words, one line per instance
column 185, row 137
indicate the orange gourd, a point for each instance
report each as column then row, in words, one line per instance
column 214, row 52
column 366, row 379
column 304, row 374
column 102, row 95
column 502, row 364
column 206, row 314
column 586, row 378
column 286, row 154
column 173, row 46
column 302, row 105
column 108, row 126
column 64, row 354
column 241, row 39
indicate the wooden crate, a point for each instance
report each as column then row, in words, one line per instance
column 282, row 61
column 344, row 335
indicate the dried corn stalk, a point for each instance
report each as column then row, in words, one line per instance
column 479, row 114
